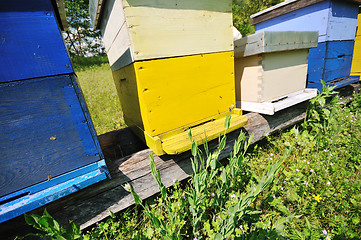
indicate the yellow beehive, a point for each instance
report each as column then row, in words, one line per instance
column 173, row 66
column 356, row 61
column 136, row 30
column 162, row 98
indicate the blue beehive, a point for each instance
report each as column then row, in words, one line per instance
column 48, row 145
column 336, row 22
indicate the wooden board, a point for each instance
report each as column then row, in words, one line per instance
column 330, row 61
column 356, row 62
column 162, row 95
column 272, row 106
column 44, row 132
column 139, row 30
column 267, row 42
column 335, row 20
column 270, row 75
column 31, row 42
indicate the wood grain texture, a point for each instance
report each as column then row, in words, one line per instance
column 95, row 201
column 335, row 20
column 167, row 28
column 330, row 61
column 44, row 132
column 31, row 43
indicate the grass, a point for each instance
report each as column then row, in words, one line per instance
column 96, row 81
column 303, row 183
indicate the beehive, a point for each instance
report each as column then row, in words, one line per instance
column 270, row 66
column 135, row 30
column 48, row 145
column 172, row 64
column 356, row 62
column 336, row 23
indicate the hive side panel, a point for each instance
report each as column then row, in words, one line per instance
column 316, row 63
column 125, row 80
column 166, row 29
column 44, row 132
column 180, row 91
column 338, row 60
column 284, row 73
column 343, row 21
column 311, row 18
column 356, row 62
column 115, row 34
column 249, row 78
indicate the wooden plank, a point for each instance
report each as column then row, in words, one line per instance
column 272, row 106
column 287, row 7
column 281, row 9
column 335, row 20
column 267, row 42
column 356, row 62
column 60, row 12
column 44, row 117
column 95, row 201
column 31, row 42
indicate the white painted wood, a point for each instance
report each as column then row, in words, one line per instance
column 166, row 28
column 272, row 106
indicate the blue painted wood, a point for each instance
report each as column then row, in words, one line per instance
column 27, row 203
column 335, row 20
column 330, row 61
column 345, row 82
column 54, row 181
column 31, row 44
column 86, row 114
column 31, row 113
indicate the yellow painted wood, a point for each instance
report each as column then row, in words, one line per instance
column 356, row 61
column 211, row 130
column 267, row 76
column 151, row 29
column 165, row 96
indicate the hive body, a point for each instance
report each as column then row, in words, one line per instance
column 172, row 64
column 269, row 66
column 336, row 23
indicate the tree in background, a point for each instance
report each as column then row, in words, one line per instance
column 243, row 9
column 81, row 39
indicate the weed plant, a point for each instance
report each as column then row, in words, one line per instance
column 303, row 183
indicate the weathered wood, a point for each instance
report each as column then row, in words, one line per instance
column 91, row 205
column 335, row 20
column 284, row 8
column 147, row 29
